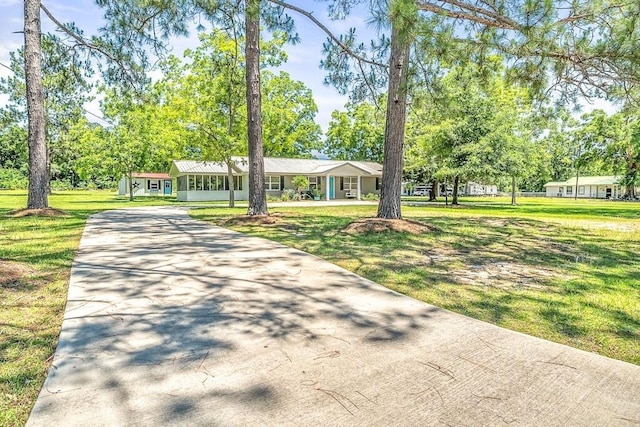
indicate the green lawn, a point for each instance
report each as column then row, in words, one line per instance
column 562, row 270
column 557, row 269
column 35, row 259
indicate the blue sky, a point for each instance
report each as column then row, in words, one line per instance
column 303, row 64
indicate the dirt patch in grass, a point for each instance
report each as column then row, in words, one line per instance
column 37, row 212
column 506, row 275
column 13, row 275
column 272, row 219
column 606, row 225
column 381, row 225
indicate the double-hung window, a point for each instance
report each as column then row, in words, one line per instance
column 351, row 183
column 272, row 182
column 313, row 182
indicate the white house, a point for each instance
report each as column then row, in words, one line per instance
column 147, row 184
column 476, row 189
column 336, row 179
column 592, row 187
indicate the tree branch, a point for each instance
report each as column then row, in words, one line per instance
column 335, row 39
column 82, row 42
column 494, row 20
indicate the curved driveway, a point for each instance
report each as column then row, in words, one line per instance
column 173, row 322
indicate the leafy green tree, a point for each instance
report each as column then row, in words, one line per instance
column 627, row 151
column 356, row 134
column 589, row 141
column 300, row 182
column 137, row 141
column 580, row 48
column 13, row 143
column 208, row 93
column 288, row 114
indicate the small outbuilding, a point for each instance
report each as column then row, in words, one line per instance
column 147, row 184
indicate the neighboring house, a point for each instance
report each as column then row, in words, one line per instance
column 591, row 187
column 476, row 189
column 336, row 179
column 147, row 184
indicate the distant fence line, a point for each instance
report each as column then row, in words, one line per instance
column 529, row 194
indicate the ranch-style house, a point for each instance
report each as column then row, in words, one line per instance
column 335, row 179
column 589, row 187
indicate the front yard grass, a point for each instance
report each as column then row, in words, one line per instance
column 563, row 271
column 35, row 261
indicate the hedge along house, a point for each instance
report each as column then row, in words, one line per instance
column 336, row 179
column 590, row 187
column 147, row 184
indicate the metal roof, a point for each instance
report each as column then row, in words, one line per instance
column 275, row 165
column 199, row 167
column 586, row 180
column 151, row 175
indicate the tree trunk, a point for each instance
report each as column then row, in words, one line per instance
column 389, row 206
column 513, row 190
column 433, row 192
column 454, row 198
column 49, row 177
column 38, row 176
column 130, row 176
column 232, row 188
column 257, row 195
column 630, row 179
column 575, row 196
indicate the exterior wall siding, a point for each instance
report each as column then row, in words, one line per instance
column 367, row 185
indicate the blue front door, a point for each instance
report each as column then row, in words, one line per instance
column 332, row 189
column 167, row 186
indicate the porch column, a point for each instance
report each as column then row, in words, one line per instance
column 359, row 186
column 326, row 187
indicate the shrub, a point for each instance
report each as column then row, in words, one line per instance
column 371, row 196
column 61, row 185
column 300, row 182
column 288, row 194
column 13, row 179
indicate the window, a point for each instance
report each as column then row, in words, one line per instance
column 271, row 182
column 192, row 182
column 313, row 182
column 237, row 182
column 350, row 183
column 569, row 190
column 217, row 183
column 199, row 182
column 581, row 189
column 182, row 183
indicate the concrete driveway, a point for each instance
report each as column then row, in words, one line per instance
column 173, row 322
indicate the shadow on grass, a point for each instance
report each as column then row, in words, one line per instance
column 578, row 265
